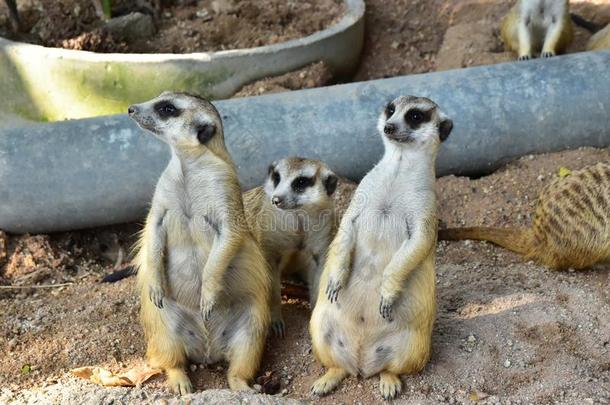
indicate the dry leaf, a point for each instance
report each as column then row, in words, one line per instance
column 130, row 378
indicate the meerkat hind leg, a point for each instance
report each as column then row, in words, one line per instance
column 329, row 381
column 389, row 385
column 178, row 381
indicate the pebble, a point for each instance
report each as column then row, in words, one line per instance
column 257, row 387
column 507, row 363
column 471, row 339
column 193, row 367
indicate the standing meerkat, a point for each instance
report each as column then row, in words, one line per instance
column 538, row 26
column 203, row 279
column 292, row 218
column 571, row 227
column 376, row 304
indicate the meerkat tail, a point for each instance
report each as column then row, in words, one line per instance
column 586, row 24
column 513, row 239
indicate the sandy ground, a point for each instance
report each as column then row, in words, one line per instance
column 506, row 332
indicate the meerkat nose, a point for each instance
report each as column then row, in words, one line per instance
column 131, row 110
column 389, row 129
column 277, row 200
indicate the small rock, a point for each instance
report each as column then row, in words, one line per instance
column 12, row 343
column 395, row 45
column 471, row 339
column 507, row 363
column 204, row 15
column 257, row 387
column 223, row 6
column 131, row 26
column 193, row 367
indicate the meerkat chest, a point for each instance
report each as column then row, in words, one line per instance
column 540, row 14
column 386, row 217
column 192, row 215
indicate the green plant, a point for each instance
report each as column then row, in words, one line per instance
column 106, row 7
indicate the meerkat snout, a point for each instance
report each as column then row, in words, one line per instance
column 389, row 129
column 277, row 201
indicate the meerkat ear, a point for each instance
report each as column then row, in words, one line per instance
column 271, row 168
column 205, row 132
column 445, row 128
column 330, row 183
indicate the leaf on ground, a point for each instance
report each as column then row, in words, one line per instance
column 475, row 395
column 26, row 369
column 130, row 378
column 564, row 172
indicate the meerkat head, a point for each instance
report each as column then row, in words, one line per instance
column 296, row 182
column 181, row 120
column 411, row 121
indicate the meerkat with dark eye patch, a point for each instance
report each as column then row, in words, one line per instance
column 538, row 26
column 376, row 304
column 292, row 217
column 571, row 227
column 203, row 279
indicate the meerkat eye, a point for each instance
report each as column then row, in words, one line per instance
column 389, row 110
column 166, row 109
column 415, row 117
column 275, row 177
column 301, row 183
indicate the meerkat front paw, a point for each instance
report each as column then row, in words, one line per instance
column 547, row 54
column 525, row 57
column 386, row 307
column 206, row 305
column 156, row 295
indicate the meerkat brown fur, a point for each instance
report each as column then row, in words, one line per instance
column 538, row 26
column 571, row 227
column 376, row 304
column 204, row 281
column 292, row 217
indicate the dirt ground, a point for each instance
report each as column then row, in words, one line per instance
column 507, row 331
column 180, row 26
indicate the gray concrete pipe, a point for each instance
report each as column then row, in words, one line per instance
column 92, row 172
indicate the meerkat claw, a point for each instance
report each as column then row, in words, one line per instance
column 155, row 294
column 279, row 328
column 332, row 290
column 206, row 309
column 385, row 308
column 524, row 57
column 547, row 54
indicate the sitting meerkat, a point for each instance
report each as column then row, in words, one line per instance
column 203, row 279
column 292, row 217
column 538, row 26
column 376, row 303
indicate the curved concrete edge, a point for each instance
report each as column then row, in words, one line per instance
column 100, row 171
column 51, row 84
